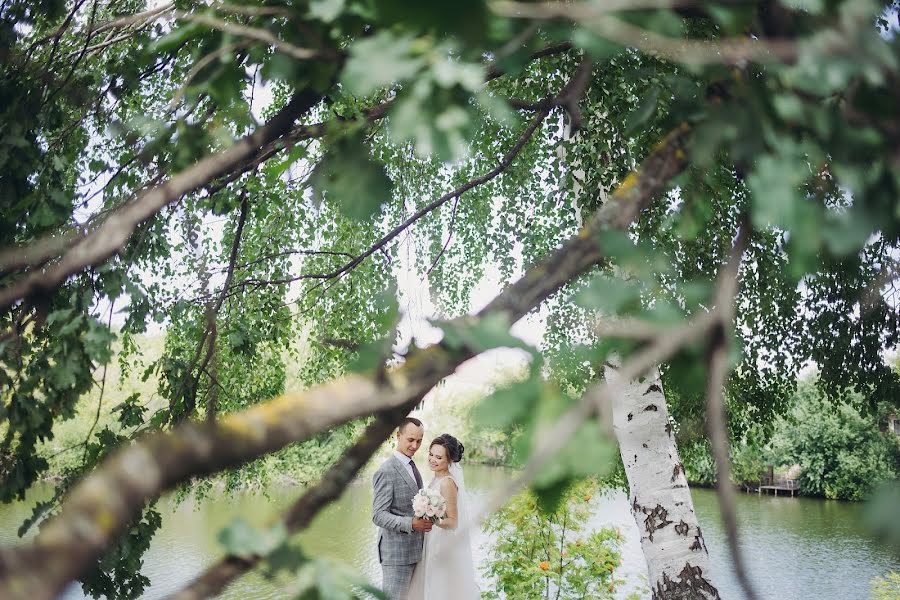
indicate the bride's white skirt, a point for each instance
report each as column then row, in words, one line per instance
column 446, row 571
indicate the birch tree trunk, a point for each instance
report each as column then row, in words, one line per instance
column 677, row 559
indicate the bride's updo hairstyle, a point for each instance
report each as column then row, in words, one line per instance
column 452, row 445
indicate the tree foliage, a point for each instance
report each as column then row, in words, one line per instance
column 842, row 452
column 138, row 180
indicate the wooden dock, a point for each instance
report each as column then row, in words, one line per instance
column 780, row 482
column 792, row 486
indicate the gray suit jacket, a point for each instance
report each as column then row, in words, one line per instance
column 392, row 512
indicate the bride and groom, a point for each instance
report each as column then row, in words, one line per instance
column 421, row 560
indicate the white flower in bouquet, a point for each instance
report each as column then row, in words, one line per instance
column 430, row 505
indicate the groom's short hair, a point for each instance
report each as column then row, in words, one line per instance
column 408, row 421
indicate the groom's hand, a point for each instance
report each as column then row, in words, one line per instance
column 421, row 525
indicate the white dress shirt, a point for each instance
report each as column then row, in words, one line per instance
column 404, row 459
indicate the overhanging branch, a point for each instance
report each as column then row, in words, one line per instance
column 217, row 577
column 111, row 237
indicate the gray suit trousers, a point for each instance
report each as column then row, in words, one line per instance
column 396, row 580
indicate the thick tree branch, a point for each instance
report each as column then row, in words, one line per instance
column 37, row 252
column 217, row 577
column 111, row 237
column 140, row 17
column 254, row 33
column 98, row 508
column 697, row 52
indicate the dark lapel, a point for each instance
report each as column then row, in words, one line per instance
column 405, row 474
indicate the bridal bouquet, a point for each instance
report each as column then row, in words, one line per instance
column 430, row 505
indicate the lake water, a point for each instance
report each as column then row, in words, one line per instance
column 796, row 547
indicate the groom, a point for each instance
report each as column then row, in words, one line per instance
column 400, row 534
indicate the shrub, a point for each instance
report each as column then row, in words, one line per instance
column 699, row 466
column 549, row 555
column 842, row 452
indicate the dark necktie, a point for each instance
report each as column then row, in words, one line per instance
column 416, row 473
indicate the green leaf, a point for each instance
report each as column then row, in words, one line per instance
column 846, row 233
column 177, row 37
column 238, row 339
column 597, row 46
column 639, row 259
column 379, row 61
column 369, row 356
column 788, row 107
column 478, row 335
column 549, row 497
column 245, row 541
column 62, row 376
column 733, row 19
column 609, row 295
column 508, row 405
column 62, row 314
column 275, row 170
column 351, row 179
column 810, row 6
column 286, row 557
column 439, row 131
column 588, row 452
column 645, row 110
column 98, row 342
column 775, row 184
column 72, row 325
column 132, row 412
column 449, row 73
column 326, row 10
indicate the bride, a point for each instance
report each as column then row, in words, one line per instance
column 446, row 570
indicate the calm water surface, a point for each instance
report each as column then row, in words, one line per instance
column 796, row 547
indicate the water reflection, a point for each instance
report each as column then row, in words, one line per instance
column 796, row 547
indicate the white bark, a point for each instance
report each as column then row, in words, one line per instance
column 677, row 559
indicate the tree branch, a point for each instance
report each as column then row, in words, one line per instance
column 110, row 237
column 37, row 252
column 697, row 52
column 210, row 332
column 217, row 577
column 254, row 33
column 717, row 361
column 140, row 17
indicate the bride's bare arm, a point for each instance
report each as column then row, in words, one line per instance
column 449, row 492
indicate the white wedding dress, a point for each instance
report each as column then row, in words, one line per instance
column 447, row 571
